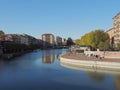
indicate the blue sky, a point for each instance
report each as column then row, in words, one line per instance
column 65, row 18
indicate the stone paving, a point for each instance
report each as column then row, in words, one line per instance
column 74, row 56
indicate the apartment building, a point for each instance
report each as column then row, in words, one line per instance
column 21, row 39
column 111, row 36
column 12, row 37
column 48, row 40
column 58, row 41
column 116, row 27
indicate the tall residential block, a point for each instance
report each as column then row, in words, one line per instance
column 48, row 40
column 110, row 32
column 116, row 27
column 58, row 41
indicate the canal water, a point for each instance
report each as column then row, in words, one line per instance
column 41, row 70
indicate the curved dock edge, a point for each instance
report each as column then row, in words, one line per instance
column 95, row 65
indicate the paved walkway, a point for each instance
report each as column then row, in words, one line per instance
column 74, row 56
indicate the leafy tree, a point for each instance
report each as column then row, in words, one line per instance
column 118, row 46
column 77, row 42
column 99, row 37
column 96, row 39
column 103, row 45
column 70, row 41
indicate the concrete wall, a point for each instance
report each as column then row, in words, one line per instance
column 91, row 64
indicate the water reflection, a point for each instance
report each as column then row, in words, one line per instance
column 117, row 82
column 48, row 56
column 96, row 76
column 29, row 72
column 90, row 69
column 48, row 59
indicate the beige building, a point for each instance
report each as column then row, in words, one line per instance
column 111, row 36
column 64, row 42
column 48, row 40
column 24, row 39
column 12, row 37
column 58, row 41
column 27, row 39
column 21, row 39
column 116, row 27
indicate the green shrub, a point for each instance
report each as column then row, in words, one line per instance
column 80, row 51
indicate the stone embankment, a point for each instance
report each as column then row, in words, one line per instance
column 80, row 60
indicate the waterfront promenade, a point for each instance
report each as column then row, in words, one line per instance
column 75, row 56
column 80, row 60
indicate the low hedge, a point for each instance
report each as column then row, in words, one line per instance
column 80, row 51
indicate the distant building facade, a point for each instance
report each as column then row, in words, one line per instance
column 21, row 39
column 110, row 32
column 48, row 40
column 13, row 38
column 116, row 27
column 64, row 42
column 114, row 32
column 24, row 39
column 58, row 41
column 29, row 39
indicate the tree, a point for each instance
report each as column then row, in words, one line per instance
column 77, row 42
column 70, row 41
column 103, row 45
column 96, row 39
column 100, row 37
column 118, row 46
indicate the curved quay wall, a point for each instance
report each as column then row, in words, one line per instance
column 96, row 65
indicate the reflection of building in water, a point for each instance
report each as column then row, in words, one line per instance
column 48, row 56
column 117, row 82
column 48, row 59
